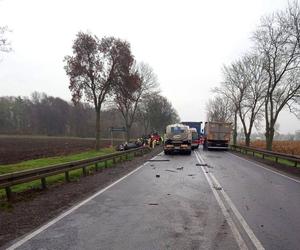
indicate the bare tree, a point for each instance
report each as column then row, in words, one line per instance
column 250, row 110
column 139, row 82
column 94, row 68
column 234, row 89
column 219, row 109
column 280, row 50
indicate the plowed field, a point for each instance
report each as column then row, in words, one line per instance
column 287, row 147
column 14, row 149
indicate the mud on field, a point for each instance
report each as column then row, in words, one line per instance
column 34, row 208
column 17, row 149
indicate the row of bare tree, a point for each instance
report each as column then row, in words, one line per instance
column 260, row 84
column 104, row 72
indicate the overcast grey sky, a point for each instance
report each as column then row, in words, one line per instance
column 185, row 42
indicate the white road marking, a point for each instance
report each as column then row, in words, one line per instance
column 275, row 172
column 240, row 218
column 52, row 222
column 241, row 243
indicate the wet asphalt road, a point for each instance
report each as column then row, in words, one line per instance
column 179, row 209
column 270, row 203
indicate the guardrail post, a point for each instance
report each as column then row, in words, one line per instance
column 263, row 155
column 96, row 166
column 43, row 182
column 8, row 193
column 105, row 163
column 84, row 171
column 276, row 159
column 67, row 177
column 114, row 160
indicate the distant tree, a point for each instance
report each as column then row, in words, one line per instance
column 276, row 42
column 156, row 113
column 219, row 109
column 138, row 83
column 233, row 88
column 95, row 66
column 244, row 86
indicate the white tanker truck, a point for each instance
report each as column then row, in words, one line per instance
column 178, row 138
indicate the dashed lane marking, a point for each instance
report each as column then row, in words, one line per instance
column 241, row 243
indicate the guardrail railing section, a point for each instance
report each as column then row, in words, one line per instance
column 15, row 178
column 268, row 155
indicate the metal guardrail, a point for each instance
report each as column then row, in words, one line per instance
column 243, row 149
column 11, row 179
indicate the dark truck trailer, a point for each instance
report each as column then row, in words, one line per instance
column 197, row 126
column 217, row 135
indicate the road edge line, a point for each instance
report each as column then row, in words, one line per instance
column 72, row 209
column 270, row 170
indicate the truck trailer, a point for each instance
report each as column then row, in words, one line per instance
column 178, row 138
column 197, row 126
column 217, row 135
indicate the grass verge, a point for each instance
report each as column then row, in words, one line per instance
column 74, row 175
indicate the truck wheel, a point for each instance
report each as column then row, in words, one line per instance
column 166, row 152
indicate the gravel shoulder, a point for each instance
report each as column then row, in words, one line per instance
column 34, row 208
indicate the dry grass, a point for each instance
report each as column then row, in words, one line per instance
column 286, row 147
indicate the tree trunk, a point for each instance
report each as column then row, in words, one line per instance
column 247, row 139
column 235, row 128
column 128, row 132
column 269, row 138
column 97, row 130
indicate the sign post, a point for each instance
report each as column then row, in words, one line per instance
column 117, row 129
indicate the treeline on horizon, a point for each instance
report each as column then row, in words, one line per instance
column 41, row 114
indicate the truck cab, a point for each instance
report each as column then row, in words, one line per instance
column 195, row 138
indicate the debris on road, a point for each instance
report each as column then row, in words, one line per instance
column 191, row 174
column 157, row 175
column 180, row 168
column 169, row 170
column 153, row 204
column 217, row 188
column 201, row 164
